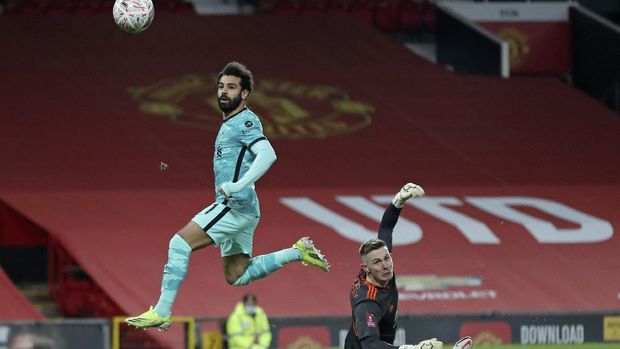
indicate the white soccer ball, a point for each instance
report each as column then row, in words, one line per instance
column 133, row 16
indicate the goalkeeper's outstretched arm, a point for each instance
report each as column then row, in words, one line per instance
column 388, row 222
column 392, row 212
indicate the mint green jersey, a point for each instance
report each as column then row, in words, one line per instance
column 232, row 158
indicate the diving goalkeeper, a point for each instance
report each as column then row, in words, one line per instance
column 374, row 296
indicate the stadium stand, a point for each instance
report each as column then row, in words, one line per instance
column 86, row 7
column 390, row 16
column 89, row 113
column 14, row 305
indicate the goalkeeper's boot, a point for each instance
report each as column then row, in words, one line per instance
column 310, row 255
column 407, row 192
column 150, row 318
column 464, row 343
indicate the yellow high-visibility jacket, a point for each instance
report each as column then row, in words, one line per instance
column 244, row 331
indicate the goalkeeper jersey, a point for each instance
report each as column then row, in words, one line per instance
column 374, row 308
column 374, row 311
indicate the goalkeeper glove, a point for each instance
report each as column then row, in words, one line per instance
column 432, row 343
column 408, row 191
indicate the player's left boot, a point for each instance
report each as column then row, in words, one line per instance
column 408, row 191
column 150, row 318
column 464, row 343
column 310, row 255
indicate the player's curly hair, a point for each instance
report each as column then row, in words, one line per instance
column 371, row 245
column 239, row 70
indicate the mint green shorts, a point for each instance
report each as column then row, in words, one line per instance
column 231, row 231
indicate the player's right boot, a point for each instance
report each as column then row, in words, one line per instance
column 150, row 318
column 464, row 343
column 408, row 191
column 310, row 255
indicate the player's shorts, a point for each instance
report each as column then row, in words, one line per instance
column 231, row 231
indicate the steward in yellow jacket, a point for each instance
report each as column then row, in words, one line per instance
column 247, row 326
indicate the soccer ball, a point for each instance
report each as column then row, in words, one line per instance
column 133, row 16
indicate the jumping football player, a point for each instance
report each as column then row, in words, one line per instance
column 242, row 155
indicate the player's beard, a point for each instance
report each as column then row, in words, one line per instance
column 230, row 104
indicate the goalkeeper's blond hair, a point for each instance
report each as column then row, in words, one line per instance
column 371, row 245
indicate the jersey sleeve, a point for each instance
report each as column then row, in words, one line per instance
column 366, row 316
column 265, row 157
column 250, row 130
column 388, row 222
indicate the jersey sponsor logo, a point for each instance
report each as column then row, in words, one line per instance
column 249, row 125
column 288, row 109
column 370, row 320
column 218, row 151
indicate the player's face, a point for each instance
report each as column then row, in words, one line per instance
column 229, row 93
column 378, row 266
